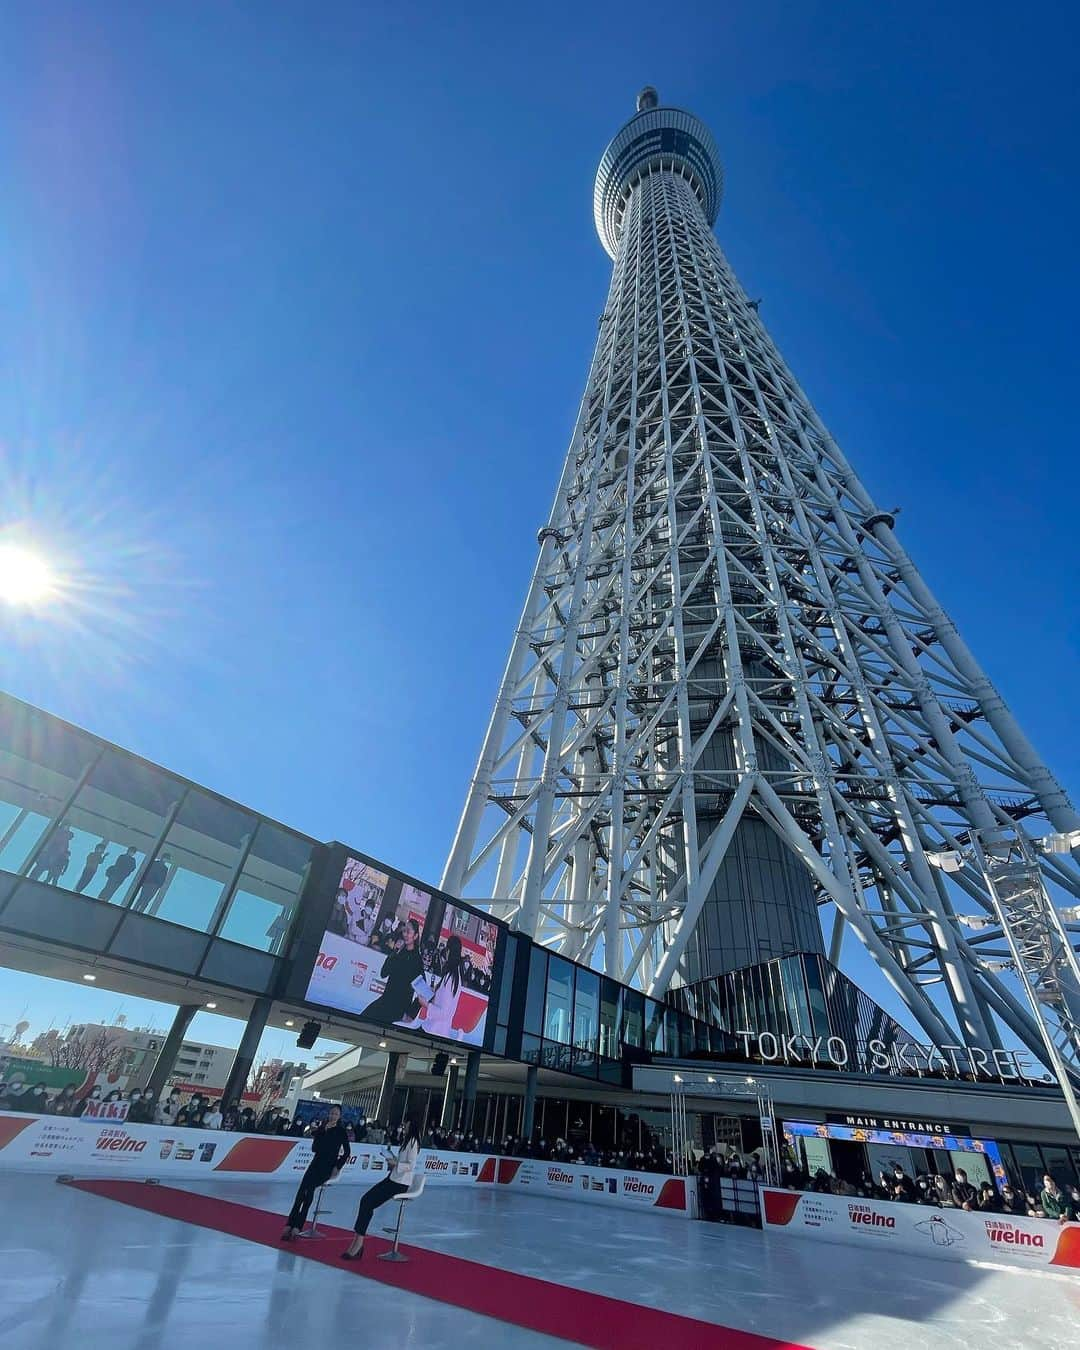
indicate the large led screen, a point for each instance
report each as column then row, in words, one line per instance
column 404, row 957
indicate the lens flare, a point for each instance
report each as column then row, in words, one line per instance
column 26, row 579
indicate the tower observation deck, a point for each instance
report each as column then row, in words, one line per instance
column 732, row 707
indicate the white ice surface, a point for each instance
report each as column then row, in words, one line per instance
column 79, row 1271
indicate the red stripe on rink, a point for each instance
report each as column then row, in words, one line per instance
column 572, row 1314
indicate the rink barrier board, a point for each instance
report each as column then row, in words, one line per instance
column 61, row 1145
column 938, row 1234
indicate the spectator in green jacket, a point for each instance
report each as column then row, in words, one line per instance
column 1054, row 1203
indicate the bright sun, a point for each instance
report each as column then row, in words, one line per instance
column 25, row 577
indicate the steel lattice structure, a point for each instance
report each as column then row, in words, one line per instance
column 731, row 698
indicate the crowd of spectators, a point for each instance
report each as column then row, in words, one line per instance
column 201, row 1112
column 1053, row 1201
column 580, row 1153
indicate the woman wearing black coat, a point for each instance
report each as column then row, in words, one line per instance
column 330, row 1149
column 399, row 970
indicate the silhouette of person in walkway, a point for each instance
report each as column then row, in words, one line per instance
column 118, row 872
column 152, row 881
column 94, row 859
column 53, row 859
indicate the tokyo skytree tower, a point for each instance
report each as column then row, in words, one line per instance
column 732, row 703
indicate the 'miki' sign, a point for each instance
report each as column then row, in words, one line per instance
column 906, row 1058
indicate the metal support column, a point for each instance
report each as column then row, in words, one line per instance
column 245, row 1054
column 530, row 1103
column 395, row 1062
column 449, row 1101
column 468, row 1099
column 163, row 1065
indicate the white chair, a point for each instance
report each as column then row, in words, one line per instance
column 414, row 1192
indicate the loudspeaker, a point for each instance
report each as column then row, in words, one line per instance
column 439, row 1063
column 309, row 1034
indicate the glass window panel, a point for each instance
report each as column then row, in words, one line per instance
column 586, row 1009
column 507, row 986
column 974, row 1164
column 560, row 984
column 530, row 1049
column 585, row 1063
column 534, row 998
column 1058, row 1164
column 185, row 882
column 654, row 1027
column 41, row 760
column 818, row 1012
column 672, row 1039
column 263, row 905
column 610, row 1009
column 633, row 1018
column 1030, row 1162
column 116, row 817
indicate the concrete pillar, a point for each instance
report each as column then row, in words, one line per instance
column 468, row 1100
column 530, row 1102
column 446, row 1120
column 163, row 1065
column 395, row 1062
column 245, row 1054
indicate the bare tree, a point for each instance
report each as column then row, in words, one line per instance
column 94, row 1050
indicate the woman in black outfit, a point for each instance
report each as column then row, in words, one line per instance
column 399, row 970
column 330, row 1146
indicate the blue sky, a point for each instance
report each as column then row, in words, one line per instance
column 296, row 306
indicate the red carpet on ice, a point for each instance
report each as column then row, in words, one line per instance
column 555, row 1310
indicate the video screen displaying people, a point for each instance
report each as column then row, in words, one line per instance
column 404, row 957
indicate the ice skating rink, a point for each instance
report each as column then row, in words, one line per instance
column 80, row 1270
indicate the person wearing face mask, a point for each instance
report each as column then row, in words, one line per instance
column 94, row 1095
column 63, row 1104
column 964, row 1194
column 36, row 1100
column 903, row 1187
column 137, row 1112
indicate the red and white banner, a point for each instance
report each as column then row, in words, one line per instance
column 60, row 1144
column 940, row 1234
column 599, row 1185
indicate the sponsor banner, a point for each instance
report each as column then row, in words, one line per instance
column 95, row 1110
column 940, row 1234
column 600, row 1185
column 59, row 1144
column 63, row 1144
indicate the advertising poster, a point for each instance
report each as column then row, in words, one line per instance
column 939, row 1234
column 60, row 1145
column 402, row 956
